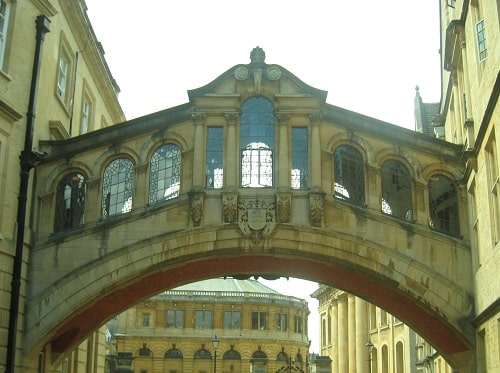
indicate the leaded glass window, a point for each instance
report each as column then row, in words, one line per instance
column 165, row 170
column 396, row 190
column 300, row 158
column 117, row 184
column 481, row 40
column 70, row 202
column 214, row 170
column 443, row 205
column 349, row 175
column 257, row 143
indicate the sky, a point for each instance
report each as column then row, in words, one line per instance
column 368, row 55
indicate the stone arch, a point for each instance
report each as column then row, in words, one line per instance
column 157, row 140
column 105, row 158
column 389, row 154
column 370, row 271
column 57, row 173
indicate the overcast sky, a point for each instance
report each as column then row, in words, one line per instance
column 369, row 55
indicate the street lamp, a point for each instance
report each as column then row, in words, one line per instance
column 369, row 347
column 215, row 342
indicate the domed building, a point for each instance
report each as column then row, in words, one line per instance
column 216, row 325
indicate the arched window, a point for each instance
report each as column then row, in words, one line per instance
column 400, row 366
column 70, row 202
column 257, row 143
column 349, row 175
column 443, row 205
column 202, row 354
column 231, row 355
column 396, row 190
column 282, row 356
column 259, row 360
column 173, row 353
column 117, row 184
column 144, row 351
column 165, row 172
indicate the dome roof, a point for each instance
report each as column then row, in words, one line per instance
column 228, row 284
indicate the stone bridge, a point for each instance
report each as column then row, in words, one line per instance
column 255, row 175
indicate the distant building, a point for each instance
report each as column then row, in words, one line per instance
column 258, row 330
column 354, row 332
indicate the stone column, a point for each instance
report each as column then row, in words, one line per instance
column 373, row 200
column 361, row 335
column 343, row 359
column 93, row 200
column 141, row 186
column 457, row 106
column 315, row 119
column 335, row 335
column 231, row 155
column 198, row 147
column 422, row 203
column 283, row 152
column 351, row 317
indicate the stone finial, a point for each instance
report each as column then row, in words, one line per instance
column 257, row 55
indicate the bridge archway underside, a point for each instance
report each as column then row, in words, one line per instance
column 90, row 275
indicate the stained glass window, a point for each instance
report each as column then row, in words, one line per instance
column 117, row 184
column 257, row 143
column 165, row 170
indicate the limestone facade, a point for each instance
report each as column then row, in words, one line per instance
column 75, row 93
column 258, row 329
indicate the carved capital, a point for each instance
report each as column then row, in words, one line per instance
column 316, row 117
column 231, row 117
column 198, row 117
column 282, row 117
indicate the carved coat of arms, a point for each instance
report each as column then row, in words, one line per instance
column 256, row 218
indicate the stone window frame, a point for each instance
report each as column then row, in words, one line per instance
column 349, row 175
column 165, row 161
column 117, row 187
column 257, row 136
column 396, row 181
column 67, row 215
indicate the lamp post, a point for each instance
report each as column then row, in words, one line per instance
column 215, row 342
column 369, row 347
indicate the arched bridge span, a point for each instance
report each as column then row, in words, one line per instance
column 255, row 175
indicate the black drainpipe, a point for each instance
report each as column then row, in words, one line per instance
column 28, row 159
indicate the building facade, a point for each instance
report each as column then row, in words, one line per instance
column 257, row 328
column 415, row 198
column 370, row 337
column 54, row 84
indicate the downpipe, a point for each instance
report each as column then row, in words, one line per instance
column 28, row 160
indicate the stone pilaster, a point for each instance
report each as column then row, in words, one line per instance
column 231, row 155
column 199, row 146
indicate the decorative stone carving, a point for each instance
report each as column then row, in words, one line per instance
column 257, row 55
column 198, row 117
column 316, row 208
column 273, row 73
column 229, row 207
column 256, row 218
column 196, row 199
column 241, row 73
column 283, row 207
